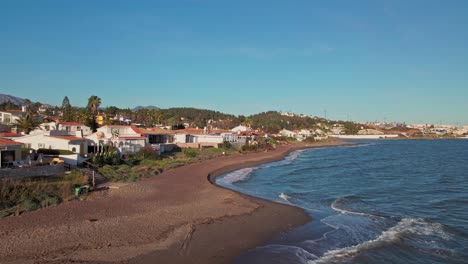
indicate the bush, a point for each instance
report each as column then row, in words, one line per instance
column 55, row 151
column 75, row 178
column 191, row 153
column 50, row 200
column 249, row 148
column 29, row 204
column 119, row 173
column 147, row 153
column 226, row 145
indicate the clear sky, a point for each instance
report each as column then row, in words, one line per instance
column 362, row 60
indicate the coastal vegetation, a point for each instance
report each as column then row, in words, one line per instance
column 22, row 195
column 146, row 163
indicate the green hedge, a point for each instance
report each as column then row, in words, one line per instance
column 54, row 151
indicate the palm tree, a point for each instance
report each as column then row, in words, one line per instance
column 93, row 103
column 27, row 123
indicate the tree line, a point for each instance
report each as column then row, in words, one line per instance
column 176, row 118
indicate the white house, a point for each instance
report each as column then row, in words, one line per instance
column 75, row 126
column 55, row 140
column 11, row 116
column 287, row 133
column 127, row 139
column 241, row 128
column 197, row 138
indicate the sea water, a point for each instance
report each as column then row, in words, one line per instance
column 382, row 201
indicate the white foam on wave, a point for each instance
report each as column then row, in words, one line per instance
column 405, row 226
column 235, row 176
column 292, row 253
column 287, row 160
column 285, row 197
column 335, row 207
column 295, row 154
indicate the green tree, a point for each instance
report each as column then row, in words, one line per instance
column 27, row 123
column 67, row 110
column 93, row 103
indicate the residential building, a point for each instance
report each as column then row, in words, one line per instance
column 287, row 133
column 55, row 139
column 9, row 151
column 127, row 139
column 75, row 127
column 241, row 128
column 9, row 117
column 161, row 140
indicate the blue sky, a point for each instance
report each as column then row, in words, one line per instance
column 366, row 60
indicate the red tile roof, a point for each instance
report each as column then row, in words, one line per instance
column 134, row 128
column 70, row 138
column 132, row 137
column 13, row 111
column 71, row 124
column 156, row 131
column 7, row 142
column 9, row 134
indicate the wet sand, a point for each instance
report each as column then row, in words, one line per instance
column 175, row 217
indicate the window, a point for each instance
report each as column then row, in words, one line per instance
column 7, row 119
column 74, row 149
column 40, row 145
column 27, row 145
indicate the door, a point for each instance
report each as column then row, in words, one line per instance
column 7, row 157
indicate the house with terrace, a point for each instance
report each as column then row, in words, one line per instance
column 75, row 127
column 200, row 138
column 127, row 139
column 9, row 117
column 161, row 140
column 55, row 139
column 10, row 151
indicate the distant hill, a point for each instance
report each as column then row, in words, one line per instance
column 149, row 107
column 13, row 99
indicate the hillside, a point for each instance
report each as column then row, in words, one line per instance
column 4, row 98
column 273, row 121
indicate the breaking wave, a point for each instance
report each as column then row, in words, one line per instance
column 236, row 176
column 407, row 226
column 343, row 200
column 285, row 197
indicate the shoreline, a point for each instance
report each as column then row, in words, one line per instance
column 175, row 217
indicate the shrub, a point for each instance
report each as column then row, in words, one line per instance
column 226, row 145
column 50, row 200
column 55, row 151
column 191, row 153
column 29, row 204
column 147, row 153
column 75, row 178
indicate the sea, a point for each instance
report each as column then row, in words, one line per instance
column 380, row 201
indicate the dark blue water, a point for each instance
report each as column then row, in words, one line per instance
column 392, row 201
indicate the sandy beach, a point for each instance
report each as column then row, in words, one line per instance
column 175, row 217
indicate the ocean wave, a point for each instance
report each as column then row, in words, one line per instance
column 407, row 226
column 287, row 160
column 342, row 200
column 235, row 176
column 295, row 154
column 285, row 197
